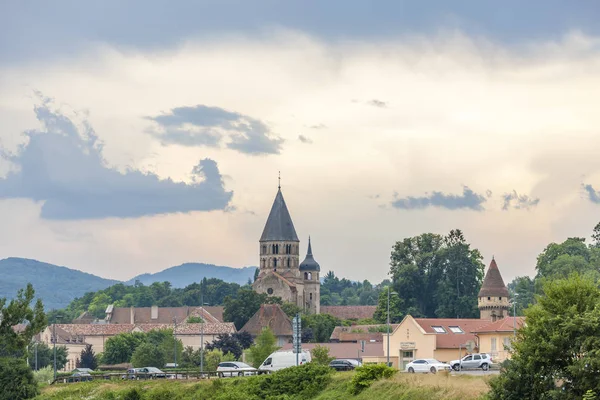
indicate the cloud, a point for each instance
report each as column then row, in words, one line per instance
column 318, row 126
column 304, row 139
column 592, row 194
column 468, row 199
column 62, row 166
column 377, row 103
column 206, row 126
column 518, row 202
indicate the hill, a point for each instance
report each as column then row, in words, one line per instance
column 55, row 285
column 188, row 273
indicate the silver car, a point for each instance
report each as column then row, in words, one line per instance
column 235, row 368
column 472, row 361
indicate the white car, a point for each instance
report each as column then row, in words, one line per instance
column 427, row 365
column 235, row 368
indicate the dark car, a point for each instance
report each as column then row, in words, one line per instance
column 342, row 365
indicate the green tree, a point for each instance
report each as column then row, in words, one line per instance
column 195, row 320
column 88, row 359
column 322, row 326
column 148, row 355
column 190, row 358
column 320, row 355
column 596, row 236
column 558, row 345
column 45, row 355
column 98, row 305
column 119, row 348
column 264, row 345
column 227, row 344
column 380, row 315
column 241, row 308
column 522, row 290
column 16, row 380
column 214, row 357
column 290, row 309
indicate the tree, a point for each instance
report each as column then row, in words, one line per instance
column 256, row 275
column 45, row 355
column 290, row 309
column 119, row 348
column 596, row 236
column 240, row 309
column 195, row 320
column 264, row 345
column 87, row 359
column 190, row 358
column 558, row 345
column 320, row 355
column 521, row 290
column 148, row 355
column 16, row 380
column 244, row 339
column 322, row 326
column 380, row 315
column 227, row 344
column 214, row 357
column 19, row 312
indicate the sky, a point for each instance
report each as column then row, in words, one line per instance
column 139, row 135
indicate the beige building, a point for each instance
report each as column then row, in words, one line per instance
column 76, row 336
column 280, row 273
column 495, row 338
column 493, row 297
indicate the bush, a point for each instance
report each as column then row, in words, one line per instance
column 320, row 355
column 147, row 355
column 16, row 380
column 304, row 381
column 133, row 394
column 367, row 374
column 44, row 375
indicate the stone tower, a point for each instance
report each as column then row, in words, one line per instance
column 279, row 256
column 312, row 285
column 493, row 297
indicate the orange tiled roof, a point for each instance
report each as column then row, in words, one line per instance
column 502, row 325
column 355, row 333
column 449, row 339
column 344, row 350
column 349, row 312
column 115, row 329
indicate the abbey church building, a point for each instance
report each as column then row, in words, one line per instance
column 281, row 273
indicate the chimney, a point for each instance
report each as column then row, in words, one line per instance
column 154, row 312
column 131, row 315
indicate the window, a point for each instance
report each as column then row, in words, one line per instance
column 507, row 343
column 310, row 276
column 456, row 329
column 268, row 361
column 311, row 297
column 269, row 291
column 264, row 249
column 476, row 357
column 489, row 298
column 494, row 344
column 305, row 275
column 439, row 329
column 288, row 262
column 419, row 362
column 500, row 298
column 468, row 358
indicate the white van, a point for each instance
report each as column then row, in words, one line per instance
column 284, row 359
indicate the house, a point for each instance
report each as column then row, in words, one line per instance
column 444, row 339
column 273, row 317
column 358, row 333
column 350, row 312
column 495, row 338
column 76, row 336
column 159, row 315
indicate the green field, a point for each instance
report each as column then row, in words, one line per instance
column 401, row 386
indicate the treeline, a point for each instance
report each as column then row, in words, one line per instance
column 213, row 291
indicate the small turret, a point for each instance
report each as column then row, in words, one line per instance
column 493, row 297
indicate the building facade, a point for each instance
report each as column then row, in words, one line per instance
column 280, row 272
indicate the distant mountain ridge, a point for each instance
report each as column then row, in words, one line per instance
column 58, row 286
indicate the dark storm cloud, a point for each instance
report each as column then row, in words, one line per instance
column 47, row 29
column 592, row 194
column 518, row 202
column 206, row 126
column 469, row 200
column 62, row 166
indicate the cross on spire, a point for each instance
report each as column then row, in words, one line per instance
column 279, row 185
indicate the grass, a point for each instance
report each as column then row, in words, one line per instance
column 401, row 387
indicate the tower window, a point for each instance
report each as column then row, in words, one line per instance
column 263, row 263
column 500, row 298
column 311, row 297
column 264, row 249
column 269, row 291
column 489, row 298
column 288, row 262
column 310, row 276
column 306, row 276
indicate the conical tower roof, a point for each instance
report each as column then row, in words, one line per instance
column 309, row 263
column 493, row 284
column 279, row 226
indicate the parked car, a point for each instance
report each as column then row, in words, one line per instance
column 342, row 365
column 427, row 365
column 284, row 359
column 235, row 368
column 473, row 361
column 80, row 377
column 144, row 373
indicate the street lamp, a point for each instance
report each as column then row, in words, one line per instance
column 175, row 345
column 388, row 325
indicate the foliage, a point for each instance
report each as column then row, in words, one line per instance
column 88, row 359
column 380, row 315
column 190, row 358
column 19, row 312
column 196, row 319
column 367, row 374
column 290, row 309
column 16, row 380
column 434, row 276
column 264, row 345
column 321, row 325
column 241, row 308
column 320, row 355
column 227, row 344
column 522, row 293
column 45, row 356
column 214, row 357
column 44, row 375
column 335, row 292
column 148, row 355
column 244, row 338
column 559, row 344
column 120, row 348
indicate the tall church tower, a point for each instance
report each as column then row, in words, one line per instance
column 493, row 297
column 312, row 285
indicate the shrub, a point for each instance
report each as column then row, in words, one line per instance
column 304, row 381
column 367, row 374
column 147, row 355
column 320, row 355
column 133, row 394
column 16, row 380
column 44, row 375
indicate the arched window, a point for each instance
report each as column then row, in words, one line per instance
column 264, row 249
column 306, row 275
column 311, row 297
column 276, row 249
column 275, row 263
column 263, row 263
column 310, row 276
column 288, row 262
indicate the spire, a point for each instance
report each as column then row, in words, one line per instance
column 279, row 224
column 493, row 284
column 279, row 184
column 309, row 263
